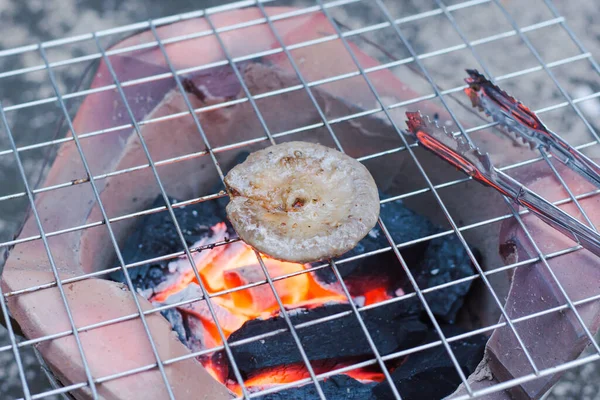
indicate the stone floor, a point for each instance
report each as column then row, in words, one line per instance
column 28, row 21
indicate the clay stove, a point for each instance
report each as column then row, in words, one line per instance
column 173, row 135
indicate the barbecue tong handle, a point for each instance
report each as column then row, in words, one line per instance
column 555, row 217
column 577, row 161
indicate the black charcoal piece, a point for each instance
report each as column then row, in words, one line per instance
column 433, row 262
column 430, row 374
column 157, row 236
column 339, row 338
column 403, row 224
column 445, row 260
column 338, row 387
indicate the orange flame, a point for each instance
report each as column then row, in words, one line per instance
column 230, row 266
column 295, row 372
column 225, row 268
column 376, row 295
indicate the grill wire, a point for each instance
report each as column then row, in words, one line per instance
column 470, row 45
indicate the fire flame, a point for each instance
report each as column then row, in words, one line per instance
column 225, row 268
column 295, row 372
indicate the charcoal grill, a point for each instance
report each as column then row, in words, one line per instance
column 39, row 273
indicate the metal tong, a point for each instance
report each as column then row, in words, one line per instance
column 470, row 160
column 519, row 120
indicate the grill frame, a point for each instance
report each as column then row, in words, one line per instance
column 320, row 7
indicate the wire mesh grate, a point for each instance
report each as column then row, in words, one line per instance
column 414, row 55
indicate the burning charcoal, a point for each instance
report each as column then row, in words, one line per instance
column 340, row 387
column 227, row 320
column 155, row 235
column 198, row 338
column 176, row 320
column 181, row 273
column 430, row 374
column 404, row 224
column 400, row 309
column 260, row 298
column 434, row 262
column 199, row 310
column 334, row 339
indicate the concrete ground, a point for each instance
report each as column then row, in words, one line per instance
column 30, row 21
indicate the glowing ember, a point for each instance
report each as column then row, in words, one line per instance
column 228, row 267
column 292, row 373
column 376, row 295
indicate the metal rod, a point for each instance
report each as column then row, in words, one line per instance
column 567, row 188
column 334, row 268
column 217, row 195
column 198, row 14
column 364, row 363
column 530, row 377
column 512, row 208
column 264, row 269
column 105, row 218
column 163, row 21
column 247, row 142
column 572, row 35
column 443, row 206
column 513, row 382
column 34, row 211
column 548, row 71
column 216, row 244
column 267, row 94
column 222, row 243
column 13, row 344
column 307, row 127
column 172, row 215
column 381, row 222
column 325, row 123
column 333, row 316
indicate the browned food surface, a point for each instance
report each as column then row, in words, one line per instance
column 301, row 202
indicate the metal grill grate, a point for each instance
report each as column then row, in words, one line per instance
column 472, row 46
